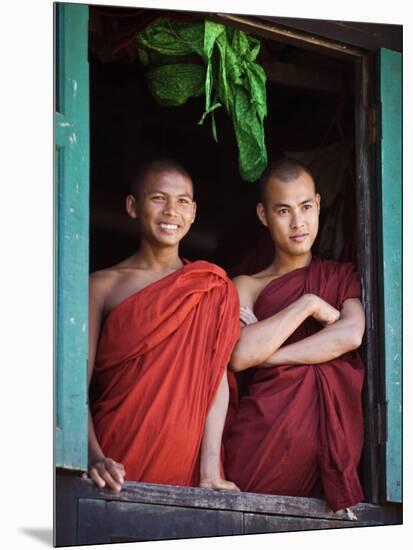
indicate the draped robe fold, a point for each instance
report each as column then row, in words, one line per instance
column 298, row 429
column 161, row 355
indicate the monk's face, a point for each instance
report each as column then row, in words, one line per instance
column 291, row 211
column 164, row 207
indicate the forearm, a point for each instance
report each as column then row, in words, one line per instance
column 327, row 344
column 260, row 340
column 214, row 426
column 94, row 450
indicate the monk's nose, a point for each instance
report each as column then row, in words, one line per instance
column 297, row 221
column 169, row 209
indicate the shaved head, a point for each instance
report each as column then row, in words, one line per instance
column 283, row 169
column 156, row 166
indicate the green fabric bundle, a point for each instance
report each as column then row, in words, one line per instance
column 226, row 73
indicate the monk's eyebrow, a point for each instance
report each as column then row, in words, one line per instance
column 284, row 205
column 156, row 191
column 281, row 205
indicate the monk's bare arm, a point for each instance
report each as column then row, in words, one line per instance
column 210, row 475
column 103, row 470
column 260, row 340
column 329, row 343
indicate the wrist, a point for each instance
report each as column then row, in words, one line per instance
column 310, row 303
column 95, row 457
column 210, row 466
column 277, row 357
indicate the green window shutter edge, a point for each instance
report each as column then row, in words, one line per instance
column 391, row 263
column 71, row 234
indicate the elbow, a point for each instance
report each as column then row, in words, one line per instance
column 355, row 336
column 357, row 341
column 236, row 363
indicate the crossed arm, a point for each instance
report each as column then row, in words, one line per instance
column 260, row 342
column 329, row 343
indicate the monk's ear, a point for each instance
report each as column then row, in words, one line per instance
column 261, row 214
column 193, row 211
column 131, row 206
column 318, row 201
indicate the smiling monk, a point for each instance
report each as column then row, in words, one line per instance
column 299, row 428
column 161, row 332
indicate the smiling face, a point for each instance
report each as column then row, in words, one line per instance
column 291, row 211
column 164, row 207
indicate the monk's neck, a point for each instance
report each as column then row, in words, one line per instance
column 283, row 264
column 157, row 260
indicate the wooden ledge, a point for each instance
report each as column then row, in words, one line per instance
column 196, row 497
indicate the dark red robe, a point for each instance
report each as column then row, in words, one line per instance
column 160, row 358
column 299, row 428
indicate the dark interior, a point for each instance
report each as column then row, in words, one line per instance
column 310, row 102
column 311, row 116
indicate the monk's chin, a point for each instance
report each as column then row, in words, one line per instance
column 299, row 250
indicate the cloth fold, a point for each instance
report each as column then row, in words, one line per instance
column 299, row 430
column 161, row 355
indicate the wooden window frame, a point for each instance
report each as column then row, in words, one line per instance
column 82, row 508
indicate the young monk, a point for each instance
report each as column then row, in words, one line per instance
column 161, row 332
column 299, row 429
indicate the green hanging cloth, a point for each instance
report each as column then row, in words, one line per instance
column 226, row 73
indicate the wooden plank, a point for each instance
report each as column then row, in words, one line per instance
column 227, row 500
column 261, row 523
column 367, row 268
column 370, row 36
column 66, row 490
column 391, row 238
column 85, row 513
column 93, row 522
column 308, row 78
column 136, row 521
column 274, row 31
column 72, row 234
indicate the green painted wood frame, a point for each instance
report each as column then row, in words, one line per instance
column 390, row 203
column 71, row 233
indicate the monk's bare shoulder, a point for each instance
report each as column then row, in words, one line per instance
column 102, row 282
column 250, row 286
column 104, row 279
column 247, row 287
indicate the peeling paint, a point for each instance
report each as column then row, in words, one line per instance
column 73, row 138
column 84, row 327
column 391, row 329
column 72, row 320
column 71, row 210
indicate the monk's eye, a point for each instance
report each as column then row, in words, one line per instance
column 184, row 201
column 308, row 206
column 283, row 211
column 157, row 197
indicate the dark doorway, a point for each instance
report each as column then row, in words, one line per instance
column 310, row 101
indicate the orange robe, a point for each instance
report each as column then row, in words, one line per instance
column 160, row 358
column 299, row 428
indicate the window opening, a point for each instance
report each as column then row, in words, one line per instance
column 311, row 116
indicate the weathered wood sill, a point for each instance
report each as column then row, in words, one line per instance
column 86, row 514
